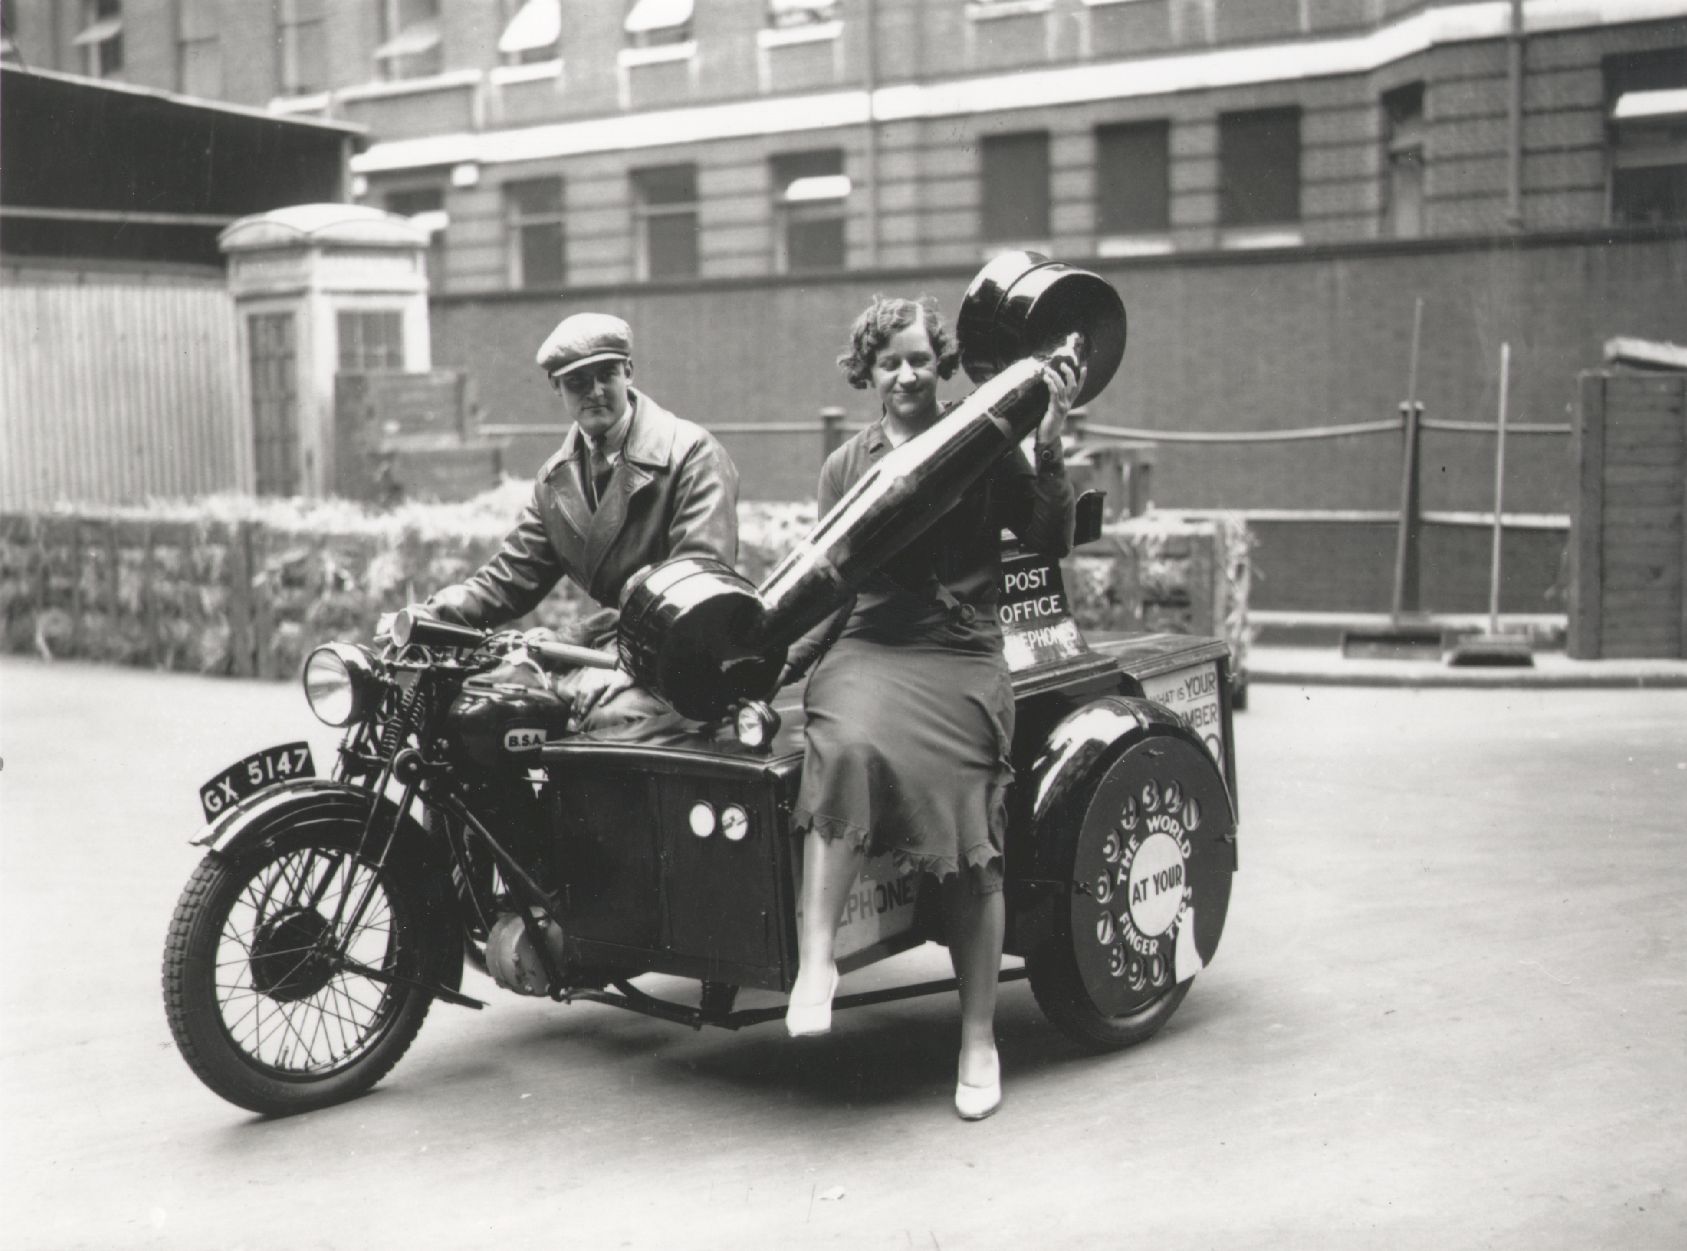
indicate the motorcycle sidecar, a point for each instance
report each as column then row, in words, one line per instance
column 1119, row 853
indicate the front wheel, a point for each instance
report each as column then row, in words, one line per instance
column 279, row 970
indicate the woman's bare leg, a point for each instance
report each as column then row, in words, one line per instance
column 830, row 867
column 976, row 926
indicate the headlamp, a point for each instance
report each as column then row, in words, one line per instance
column 755, row 724
column 339, row 682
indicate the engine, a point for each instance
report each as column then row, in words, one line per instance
column 514, row 961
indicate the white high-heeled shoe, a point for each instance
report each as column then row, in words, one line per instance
column 974, row 1103
column 807, row 1020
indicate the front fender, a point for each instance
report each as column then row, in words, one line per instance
column 255, row 822
column 292, row 797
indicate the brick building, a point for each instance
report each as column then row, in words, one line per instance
column 1271, row 183
column 557, row 144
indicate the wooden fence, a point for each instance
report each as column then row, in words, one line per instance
column 1628, row 587
column 119, row 387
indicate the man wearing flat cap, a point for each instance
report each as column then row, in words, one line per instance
column 631, row 485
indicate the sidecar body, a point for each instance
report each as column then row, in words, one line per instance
column 680, row 859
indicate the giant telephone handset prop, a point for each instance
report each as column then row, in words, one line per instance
column 702, row 636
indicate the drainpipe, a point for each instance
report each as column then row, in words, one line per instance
column 872, row 75
column 1514, row 138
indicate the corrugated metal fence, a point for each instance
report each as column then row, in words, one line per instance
column 117, row 388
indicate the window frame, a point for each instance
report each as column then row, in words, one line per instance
column 1404, row 139
column 293, row 34
column 100, row 37
column 788, row 169
column 519, row 219
column 391, row 350
column 992, row 169
column 1245, row 148
column 1645, row 149
column 401, row 23
column 543, row 54
column 188, row 40
column 669, row 35
column 647, row 211
column 1109, row 226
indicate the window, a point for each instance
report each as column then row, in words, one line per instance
column 101, row 38
column 665, row 220
column 533, row 33
column 199, row 67
column 1016, row 187
column 304, row 46
column 410, row 45
column 425, row 207
column 1646, row 97
column 1402, row 205
column 655, row 23
column 537, row 246
column 787, row 14
column 272, row 361
column 810, row 205
column 1259, row 168
column 370, row 342
column 1133, row 178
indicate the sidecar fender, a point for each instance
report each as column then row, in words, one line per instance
column 1075, row 756
column 1088, row 738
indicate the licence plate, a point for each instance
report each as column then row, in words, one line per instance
column 258, row 772
column 1193, row 694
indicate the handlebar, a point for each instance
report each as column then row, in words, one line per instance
column 410, row 627
column 569, row 654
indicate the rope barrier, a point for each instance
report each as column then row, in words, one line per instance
column 1488, row 427
column 1247, row 436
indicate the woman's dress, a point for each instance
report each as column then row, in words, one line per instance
column 910, row 711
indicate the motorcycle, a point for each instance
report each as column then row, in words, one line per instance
column 464, row 821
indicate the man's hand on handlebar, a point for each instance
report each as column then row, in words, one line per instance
column 596, row 687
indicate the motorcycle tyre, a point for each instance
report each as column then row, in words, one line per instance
column 190, row 997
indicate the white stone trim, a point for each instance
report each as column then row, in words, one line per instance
column 630, row 58
column 814, row 32
column 411, row 86
column 1207, row 69
column 532, row 72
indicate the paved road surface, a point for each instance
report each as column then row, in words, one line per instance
column 1450, row 1010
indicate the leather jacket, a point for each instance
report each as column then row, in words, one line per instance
column 674, row 492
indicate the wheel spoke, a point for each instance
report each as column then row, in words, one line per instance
column 275, row 941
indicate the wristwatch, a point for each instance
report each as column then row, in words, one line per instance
column 1050, row 456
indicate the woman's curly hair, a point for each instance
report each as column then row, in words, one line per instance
column 881, row 321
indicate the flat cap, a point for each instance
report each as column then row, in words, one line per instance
column 585, row 339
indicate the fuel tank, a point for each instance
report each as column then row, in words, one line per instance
column 501, row 718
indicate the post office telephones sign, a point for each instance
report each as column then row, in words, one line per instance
column 1037, row 624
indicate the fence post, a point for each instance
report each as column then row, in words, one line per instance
column 831, row 431
column 76, row 605
column 1587, row 525
column 149, row 598
column 1406, row 535
column 238, row 536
